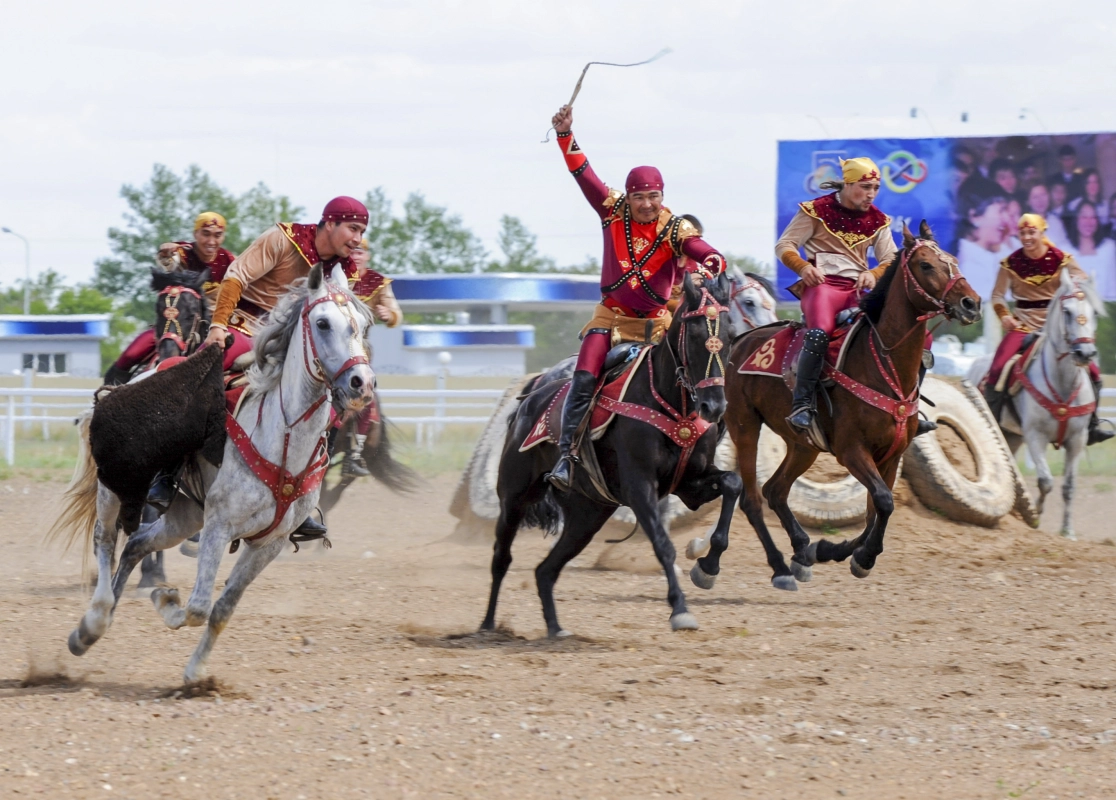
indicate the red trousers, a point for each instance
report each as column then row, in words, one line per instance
column 1009, row 346
column 821, row 304
column 141, row 349
column 242, row 343
column 594, row 349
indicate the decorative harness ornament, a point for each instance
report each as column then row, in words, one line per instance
column 182, row 341
column 285, row 486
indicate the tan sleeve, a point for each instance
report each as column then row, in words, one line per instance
column 384, row 296
column 885, row 249
column 1074, row 269
column 796, row 234
column 260, row 257
column 227, row 298
column 1000, row 290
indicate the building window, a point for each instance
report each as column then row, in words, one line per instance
column 45, row 363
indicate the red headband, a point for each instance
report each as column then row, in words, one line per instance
column 644, row 179
column 345, row 209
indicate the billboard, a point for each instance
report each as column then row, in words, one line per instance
column 972, row 191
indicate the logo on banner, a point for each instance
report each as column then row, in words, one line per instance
column 826, row 167
column 903, row 171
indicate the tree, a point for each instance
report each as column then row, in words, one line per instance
column 427, row 238
column 520, row 249
column 163, row 210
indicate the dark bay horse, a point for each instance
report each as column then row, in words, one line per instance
column 639, row 461
column 873, row 415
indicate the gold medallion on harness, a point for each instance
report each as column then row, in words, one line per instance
column 170, row 312
column 1082, row 319
column 902, row 410
column 1062, row 411
column 288, row 490
column 714, row 345
column 684, row 433
column 1080, row 295
column 711, row 312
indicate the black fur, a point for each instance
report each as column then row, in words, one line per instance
column 143, row 428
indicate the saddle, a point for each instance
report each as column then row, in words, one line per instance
column 1028, row 349
column 778, row 355
column 615, row 378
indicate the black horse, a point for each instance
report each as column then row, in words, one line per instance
column 181, row 323
column 638, row 461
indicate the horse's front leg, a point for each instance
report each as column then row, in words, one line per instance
column 878, row 481
column 181, row 521
column 98, row 617
column 697, row 493
column 1036, row 441
column 645, row 504
column 250, row 564
column 1075, row 446
column 777, row 490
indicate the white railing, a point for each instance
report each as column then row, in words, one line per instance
column 429, row 410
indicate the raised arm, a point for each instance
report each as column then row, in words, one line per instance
column 592, row 187
column 709, row 262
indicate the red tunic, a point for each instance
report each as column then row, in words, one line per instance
column 641, row 261
column 302, row 237
column 192, row 262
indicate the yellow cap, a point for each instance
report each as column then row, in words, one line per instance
column 1032, row 221
column 855, row 170
column 208, row 218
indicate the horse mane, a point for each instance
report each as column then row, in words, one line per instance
column 873, row 303
column 762, row 281
column 270, row 345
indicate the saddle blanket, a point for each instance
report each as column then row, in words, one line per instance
column 1009, row 378
column 778, row 355
column 548, row 426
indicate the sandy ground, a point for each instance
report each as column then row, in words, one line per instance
column 973, row 663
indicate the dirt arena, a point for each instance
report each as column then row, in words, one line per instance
column 973, row 663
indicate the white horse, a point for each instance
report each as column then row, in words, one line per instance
column 1055, row 407
column 312, row 351
column 751, row 301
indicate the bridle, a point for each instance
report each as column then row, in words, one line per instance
column 938, row 305
column 358, row 349
column 172, row 326
column 712, row 311
column 1076, row 294
column 736, row 291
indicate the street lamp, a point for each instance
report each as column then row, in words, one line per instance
column 27, row 269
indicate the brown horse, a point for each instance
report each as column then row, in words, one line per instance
column 869, row 421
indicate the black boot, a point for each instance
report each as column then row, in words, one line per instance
column 925, row 425
column 1098, row 434
column 309, row 529
column 810, row 363
column 354, row 460
column 163, row 490
column 583, row 386
column 994, row 399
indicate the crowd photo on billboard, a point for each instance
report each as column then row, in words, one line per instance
column 973, row 190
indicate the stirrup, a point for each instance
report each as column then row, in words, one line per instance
column 562, row 483
column 801, row 419
column 1097, row 434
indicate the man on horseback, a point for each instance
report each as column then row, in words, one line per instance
column 205, row 252
column 836, row 231
column 1032, row 274
column 644, row 248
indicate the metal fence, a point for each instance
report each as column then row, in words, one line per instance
column 429, row 410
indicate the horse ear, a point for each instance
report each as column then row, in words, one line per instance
column 202, row 278
column 314, row 281
column 908, row 237
column 693, row 294
column 160, row 279
column 924, row 232
column 338, row 277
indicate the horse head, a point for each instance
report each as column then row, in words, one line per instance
column 181, row 313
column 934, row 277
column 751, row 300
column 703, row 324
column 1071, row 318
column 335, row 326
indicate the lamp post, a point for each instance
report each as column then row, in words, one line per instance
column 27, row 269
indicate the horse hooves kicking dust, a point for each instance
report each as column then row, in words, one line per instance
column 785, row 582
column 701, row 579
column 802, row 573
column 857, row 570
column 684, row 622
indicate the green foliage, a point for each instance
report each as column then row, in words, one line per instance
column 1106, row 339
column 520, row 249
column 555, row 335
column 163, row 210
column 427, row 238
column 749, row 264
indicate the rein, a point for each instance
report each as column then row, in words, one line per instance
column 285, row 486
column 939, row 305
column 171, row 296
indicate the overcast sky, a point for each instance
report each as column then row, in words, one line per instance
column 453, row 98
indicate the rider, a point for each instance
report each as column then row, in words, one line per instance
column 378, row 295
column 644, row 245
column 1032, row 273
column 836, row 230
column 205, row 252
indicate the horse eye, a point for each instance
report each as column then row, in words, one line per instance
column 926, row 266
column 323, row 324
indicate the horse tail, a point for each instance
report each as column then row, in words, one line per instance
column 79, row 510
column 396, row 476
column 545, row 514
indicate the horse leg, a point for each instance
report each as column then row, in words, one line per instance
column 511, row 515
column 729, row 486
column 181, row 521
column 250, row 564
column 1036, row 445
column 196, row 610
column 98, row 617
column 645, row 505
column 152, row 571
column 583, row 518
column 1075, row 446
column 878, row 481
column 799, row 459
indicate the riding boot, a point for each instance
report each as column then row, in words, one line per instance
column 354, row 461
column 994, row 399
column 925, row 425
column 310, row 529
column 1098, row 434
column 810, row 363
column 164, row 489
column 583, row 386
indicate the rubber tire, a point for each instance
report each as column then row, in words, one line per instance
column 938, row 484
column 484, row 467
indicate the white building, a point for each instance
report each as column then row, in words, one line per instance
column 52, row 344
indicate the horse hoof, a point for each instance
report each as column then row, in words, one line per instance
column 684, row 622
column 1070, row 535
column 812, row 554
column 701, row 579
column 563, row 634
column 801, row 574
column 189, row 549
column 697, row 548
column 857, row 570
column 785, row 582
column 75, row 644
